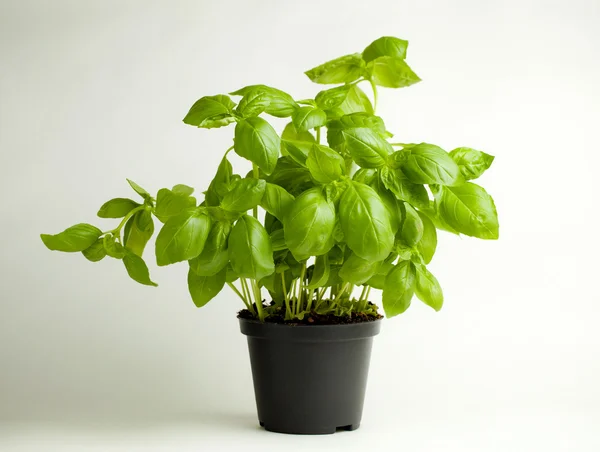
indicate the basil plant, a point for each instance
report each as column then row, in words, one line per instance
column 346, row 209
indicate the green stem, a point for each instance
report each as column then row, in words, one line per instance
column 258, row 297
column 399, row 144
column 248, row 306
column 117, row 230
column 374, row 95
column 256, row 176
column 310, row 299
column 318, row 135
column 301, row 286
column 288, row 311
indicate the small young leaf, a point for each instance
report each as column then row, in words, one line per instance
column 332, row 98
column 309, row 225
column 428, row 242
column 320, row 274
column 73, row 239
column 117, row 208
column 182, row 189
column 139, row 190
column 291, row 133
column 258, row 142
column 398, row 289
column 170, row 204
column 356, row 102
column 395, row 181
column 291, row 176
column 253, row 103
column 411, row 225
column 297, row 150
column 430, row 164
column 428, row 289
column 306, row 118
column 95, row 252
column 204, row 288
column 182, row 237
column 277, row 201
column 472, row 163
column 345, row 69
column 278, row 240
column 214, row 256
column 137, row 269
column 324, row 164
column 250, row 249
column 220, row 184
column 280, row 104
column 385, row 46
column 211, row 111
column 391, row 72
column 245, row 195
column 112, row 247
column 138, row 230
column 470, row 210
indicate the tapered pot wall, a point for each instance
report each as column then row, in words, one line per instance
column 309, row 379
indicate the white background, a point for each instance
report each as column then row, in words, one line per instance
column 94, row 92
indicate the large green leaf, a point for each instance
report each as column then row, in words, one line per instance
column 398, row 289
column 333, row 97
column 385, row 46
column 250, row 250
column 138, row 230
column 170, row 203
column 309, row 225
column 211, row 111
column 290, row 175
column 365, row 222
column 391, row 72
column 367, row 147
column 472, row 163
column 306, row 118
column 428, row 242
column 428, row 289
column 357, row 270
column 344, row 69
column 95, row 252
column 245, row 195
column 253, row 103
column 204, row 288
column 280, row 104
column 291, row 133
column 182, row 237
column 470, row 210
column 117, row 208
column 320, row 274
column 430, row 164
column 411, row 225
column 214, row 256
column 325, row 164
column 73, row 239
column 258, row 142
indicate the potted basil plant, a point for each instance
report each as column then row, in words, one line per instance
column 347, row 209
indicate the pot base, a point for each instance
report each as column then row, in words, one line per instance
column 311, row 431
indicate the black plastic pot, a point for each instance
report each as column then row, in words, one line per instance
column 309, row 379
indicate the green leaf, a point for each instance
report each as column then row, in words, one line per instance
column 250, row 250
column 389, row 200
column 430, row 164
column 112, row 247
column 365, row 222
column 214, row 256
column 470, row 210
column 365, row 175
column 205, row 288
column 211, row 111
column 73, row 239
column 411, row 225
column 253, row 103
column 377, row 281
column 345, row 69
column 356, row 101
column 245, row 195
column 278, row 240
column 325, row 164
column 306, row 118
column 428, row 289
column 309, row 225
column 182, row 189
column 336, row 128
column 433, row 214
column 332, row 98
column 170, row 203
column 428, row 242
column 138, row 230
column 297, row 150
column 291, row 176
column 395, row 181
column 367, row 147
column 117, row 208
column 321, row 271
column 95, row 252
column 391, row 72
column 258, row 142
column 385, row 46
column 291, row 133
column 277, row 201
column 472, row 163
column 398, row 289
column 220, row 184
column 281, row 104
column 139, row 190
column 137, row 269
column 182, row 237
column 357, row 270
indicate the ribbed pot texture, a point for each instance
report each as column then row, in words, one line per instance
column 309, row 379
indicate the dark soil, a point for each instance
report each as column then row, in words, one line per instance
column 313, row 319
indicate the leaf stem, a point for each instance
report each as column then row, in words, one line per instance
column 117, row 230
column 288, row 311
column 318, row 135
column 256, row 176
column 258, row 297
column 374, row 95
column 239, row 294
